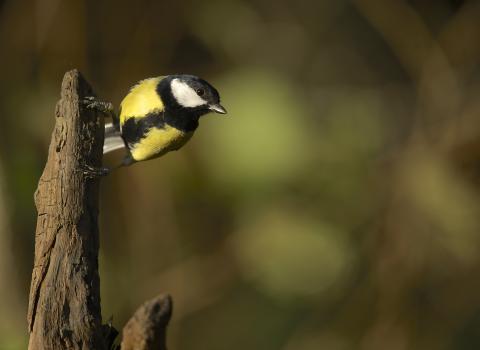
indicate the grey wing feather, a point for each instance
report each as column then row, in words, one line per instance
column 111, row 130
column 113, row 139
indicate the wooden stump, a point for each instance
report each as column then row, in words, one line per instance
column 64, row 304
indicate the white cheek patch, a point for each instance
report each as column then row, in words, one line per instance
column 185, row 95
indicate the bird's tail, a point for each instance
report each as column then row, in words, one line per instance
column 113, row 139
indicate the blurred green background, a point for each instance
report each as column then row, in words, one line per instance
column 338, row 205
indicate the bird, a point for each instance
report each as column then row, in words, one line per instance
column 157, row 116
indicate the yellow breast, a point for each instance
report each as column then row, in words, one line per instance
column 157, row 142
column 141, row 100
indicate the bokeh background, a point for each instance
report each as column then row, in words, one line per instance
column 338, row 205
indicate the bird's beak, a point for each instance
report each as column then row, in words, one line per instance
column 217, row 108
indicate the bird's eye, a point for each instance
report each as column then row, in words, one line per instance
column 200, row 92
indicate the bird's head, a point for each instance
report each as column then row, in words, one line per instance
column 191, row 94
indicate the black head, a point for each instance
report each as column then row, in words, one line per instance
column 189, row 94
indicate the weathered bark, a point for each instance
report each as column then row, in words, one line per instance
column 147, row 328
column 64, row 306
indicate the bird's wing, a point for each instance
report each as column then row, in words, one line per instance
column 111, row 130
column 113, row 139
column 141, row 100
column 113, row 143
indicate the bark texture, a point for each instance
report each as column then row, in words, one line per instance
column 146, row 330
column 64, row 304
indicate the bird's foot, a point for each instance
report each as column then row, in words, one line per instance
column 91, row 102
column 94, row 172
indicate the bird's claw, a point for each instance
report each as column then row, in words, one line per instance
column 91, row 102
column 93, row 172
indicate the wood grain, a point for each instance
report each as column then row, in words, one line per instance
column 64, row 304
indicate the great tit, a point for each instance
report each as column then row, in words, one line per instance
column 157, row 116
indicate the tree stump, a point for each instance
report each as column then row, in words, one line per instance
column 64, row 305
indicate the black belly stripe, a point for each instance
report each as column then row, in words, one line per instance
column 134, row 129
